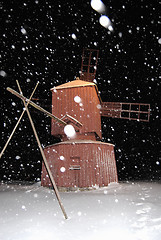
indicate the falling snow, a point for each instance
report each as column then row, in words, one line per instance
column 74, row 36
column 62, row 169
column 43, row 41
column 105, row 22
column 77, row 99
column 98, row 6
column 3, row 73
column 62, row 158
column 69, row 131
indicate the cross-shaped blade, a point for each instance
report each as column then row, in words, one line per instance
column 44, row 158
column 13, row 131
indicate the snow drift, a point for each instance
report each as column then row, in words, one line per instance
column 120, row 211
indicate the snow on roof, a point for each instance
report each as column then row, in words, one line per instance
column 77, row 83
column 74, row 83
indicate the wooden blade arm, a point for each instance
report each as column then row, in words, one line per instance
column 35, row 105
column 130, row 111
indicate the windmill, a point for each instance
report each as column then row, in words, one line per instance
column 81, row 160
column 84, row 161
column 130, row 111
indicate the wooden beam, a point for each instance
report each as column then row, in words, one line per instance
column 44, row 158
column 9, row 139
column 35, row 105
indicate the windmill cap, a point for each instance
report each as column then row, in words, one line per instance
column 74, row 83
column 77, row 83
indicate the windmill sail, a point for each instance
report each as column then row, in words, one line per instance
column 130, row 111
column 89, row 64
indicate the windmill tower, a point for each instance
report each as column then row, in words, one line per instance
column 83, row 160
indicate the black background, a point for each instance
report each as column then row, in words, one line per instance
column 37, row 45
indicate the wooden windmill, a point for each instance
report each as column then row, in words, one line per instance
column 84, row 160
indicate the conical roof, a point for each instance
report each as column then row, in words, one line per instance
column 74, row 83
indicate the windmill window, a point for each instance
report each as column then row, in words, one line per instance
column 75, row 163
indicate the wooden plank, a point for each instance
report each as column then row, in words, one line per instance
column 35, row 105
column 44, row 158
column 13, row 131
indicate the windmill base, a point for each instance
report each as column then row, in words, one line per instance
column 80, row 164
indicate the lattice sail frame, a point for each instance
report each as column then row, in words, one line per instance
column 131, row 111
column 89, row 64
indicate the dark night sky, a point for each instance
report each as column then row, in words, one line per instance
column 37, row 45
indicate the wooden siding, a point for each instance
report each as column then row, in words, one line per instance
column 87, row 111
column 86, row 164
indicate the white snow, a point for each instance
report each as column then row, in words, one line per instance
column 98, row 6
column 23, row 30
column 62, row 169
column 77, row 99
column 13, row 104
column 120, row 211
column 69, row 131
column 105, row 22
column 74, row 36
column 62, row 158
column 3, row 73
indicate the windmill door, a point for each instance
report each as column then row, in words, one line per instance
column 75, row 171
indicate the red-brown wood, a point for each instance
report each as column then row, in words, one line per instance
column 131, row 111
column 87, row 111
column 89, row 64
column 86, row 164
column 85, row 160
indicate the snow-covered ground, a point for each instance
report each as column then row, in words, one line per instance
column 120, row 211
